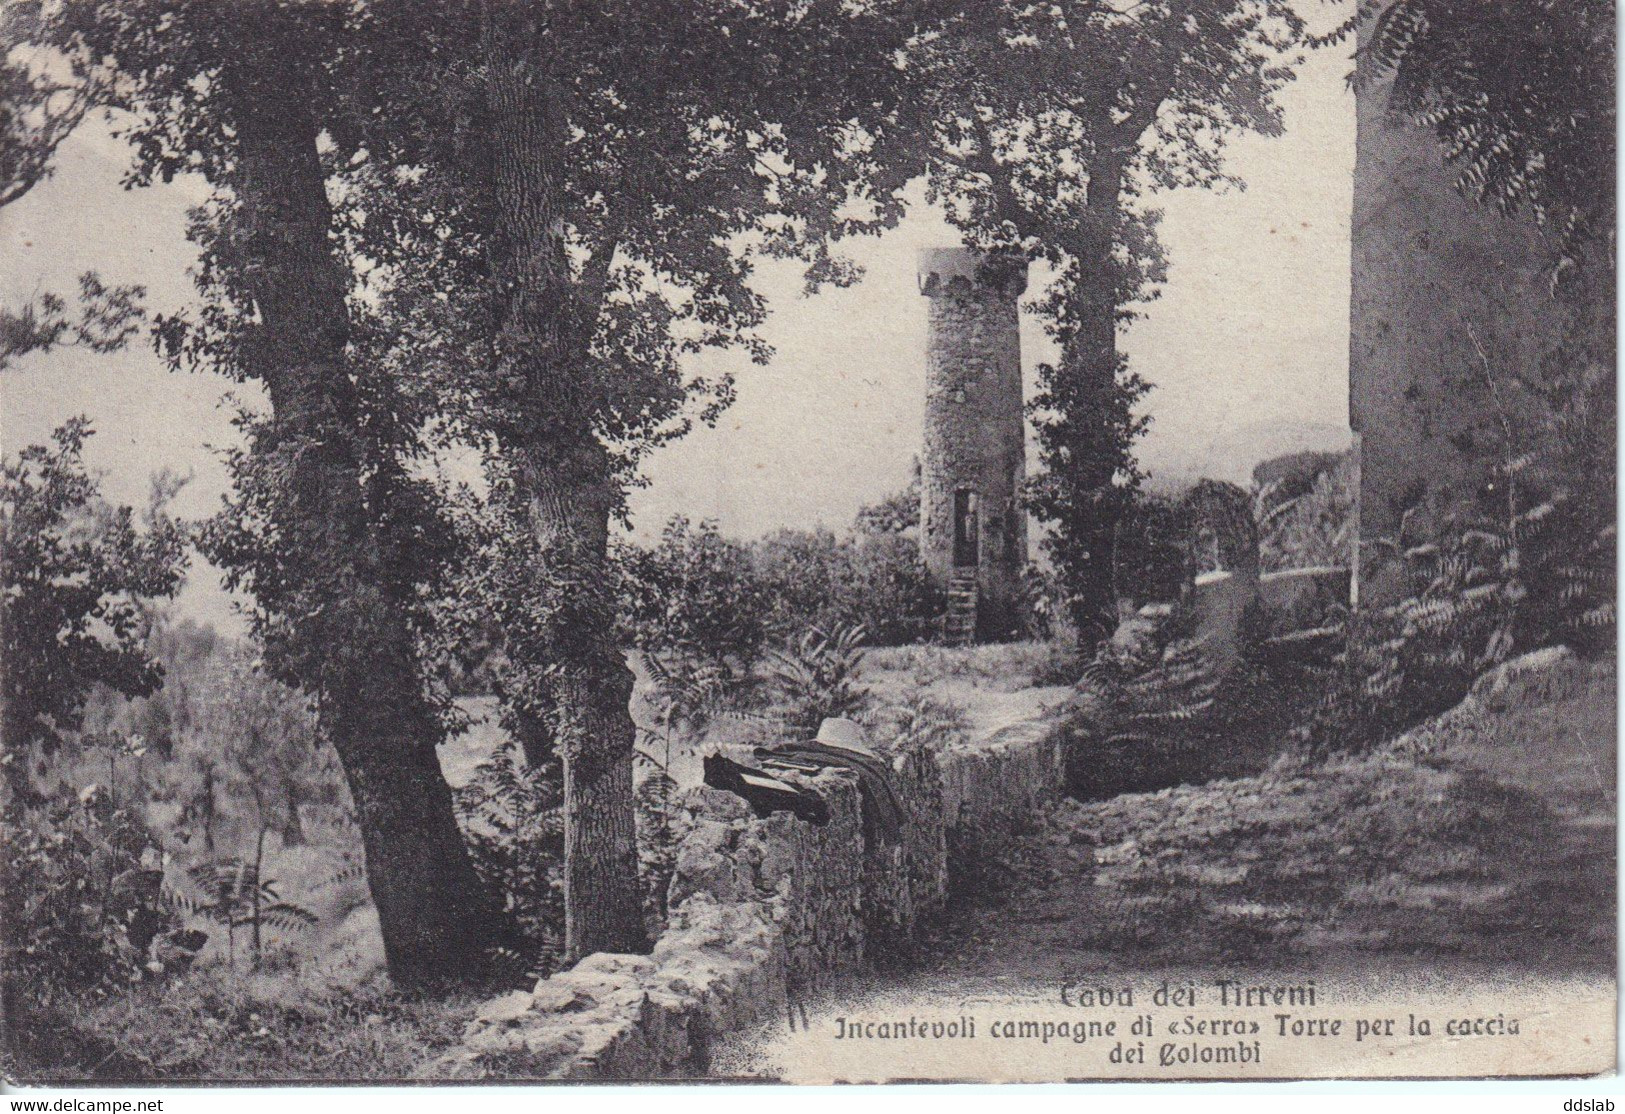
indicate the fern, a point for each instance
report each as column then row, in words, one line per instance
column 1493, row 590
column 655, row 801
column 344, row 876
column 233, row 894
column 687, row 689
column 513, row 819
column 817, row 676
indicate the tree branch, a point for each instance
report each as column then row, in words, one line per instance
column 1000, row 178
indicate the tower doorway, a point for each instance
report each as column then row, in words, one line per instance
column 967, row 553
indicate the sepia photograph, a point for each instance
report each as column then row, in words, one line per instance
column 806, row 542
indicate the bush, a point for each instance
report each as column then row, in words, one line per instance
column 817, row 677
column 712, row 602
column 660, row 828
column 76, row 588
column 1530, row 563
column 1544, row 577
column 513, row 818
column 877, row 580
column 1156, row 712
column 229, row 751
column 1308, row 522
column 1150, row 550
column 83, row 898
column 695, row 595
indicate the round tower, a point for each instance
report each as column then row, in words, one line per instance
column 973, row 531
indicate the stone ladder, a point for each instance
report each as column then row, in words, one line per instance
column 959, row 625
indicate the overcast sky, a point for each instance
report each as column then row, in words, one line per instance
column 1247, row 346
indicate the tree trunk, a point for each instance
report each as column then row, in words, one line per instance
column 339, row 589
column 1090, row 357
column 567, row 490
column 293, row 826
column 208, row 808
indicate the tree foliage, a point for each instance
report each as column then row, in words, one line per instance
column 108, row 318
column 338, row 542
column 82, row 899
column 232, row 751
column 500, row 231
column 1520, row 94
column 593, row 183
column 40, row 104
column 695, row 596
column 77, row 575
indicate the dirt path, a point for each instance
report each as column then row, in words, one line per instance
column 1020, row 962
column 1488, row 902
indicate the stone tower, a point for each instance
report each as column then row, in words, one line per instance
column 973, row 531
column 1445, row 296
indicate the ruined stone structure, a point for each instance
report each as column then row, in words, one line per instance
column 1449, row 299
column 973, row 531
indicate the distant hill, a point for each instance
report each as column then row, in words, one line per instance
column 1233, row 454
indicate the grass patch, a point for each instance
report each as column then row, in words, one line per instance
column 218, row 1024
column 997, row 667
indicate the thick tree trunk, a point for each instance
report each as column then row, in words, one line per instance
column 1090, row 356
column 348, row 635
column 567, row 489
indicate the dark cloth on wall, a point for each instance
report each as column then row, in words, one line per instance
column 882, row 809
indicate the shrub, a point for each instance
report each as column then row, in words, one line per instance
column 892, row 597
column 1156, row 712
column 237, row 895
column 695, row 595
column 816, row 579
column 513, row 818
column 897, row 513
column 1529, row 563
column 1541, row 577
column 659, row 826
column 75, row 585
column 685, row 696
column 83, row 901
column 1150, row 559
column 1044, row 607
column 1308, row 522
column 698, row 596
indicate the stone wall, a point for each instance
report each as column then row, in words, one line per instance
column 1302, row 599
column 764, row 908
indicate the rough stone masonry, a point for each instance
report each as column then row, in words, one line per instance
column 762, row 909
column 973, row 460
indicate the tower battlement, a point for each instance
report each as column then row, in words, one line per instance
column 941, row 268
